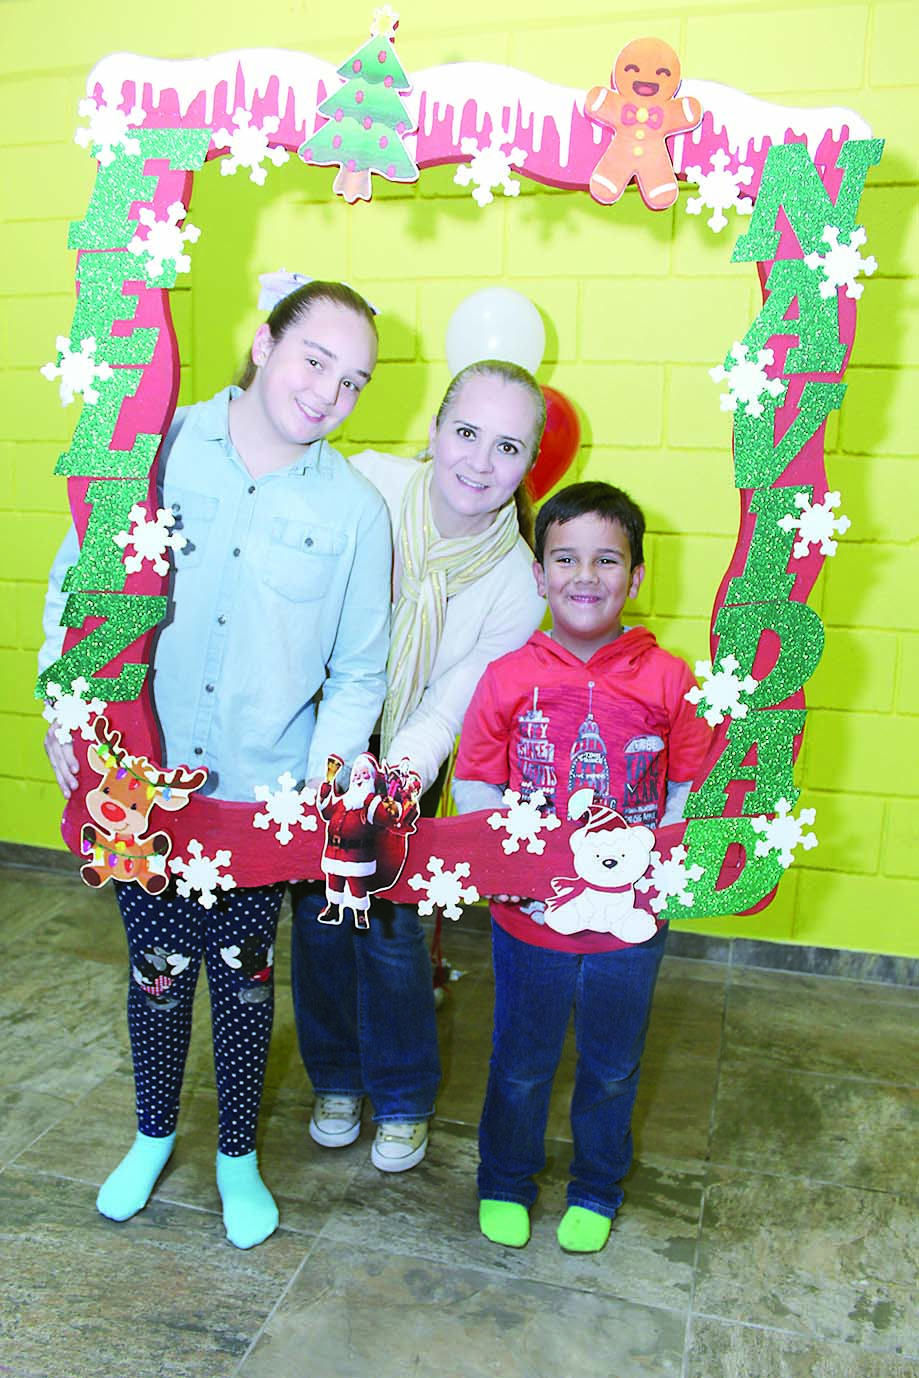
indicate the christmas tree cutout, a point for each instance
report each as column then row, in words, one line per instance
column 365, row 118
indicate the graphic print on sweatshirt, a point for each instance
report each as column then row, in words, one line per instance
column 645, row 784
column 589, row 764
column 536, row 755
column 589, row 739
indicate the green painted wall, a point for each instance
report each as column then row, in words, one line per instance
column 637, row 305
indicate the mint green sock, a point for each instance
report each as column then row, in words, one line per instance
column 128, row 1189
column 504, row 1222
column 582, row 1231
column 249, row 1211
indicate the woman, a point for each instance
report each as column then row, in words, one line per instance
column 463, row 594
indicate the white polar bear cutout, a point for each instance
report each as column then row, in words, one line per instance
column 609, row 857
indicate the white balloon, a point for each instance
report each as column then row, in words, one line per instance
column 495, row 323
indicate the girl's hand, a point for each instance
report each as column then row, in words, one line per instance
column 63, row 762
column 505, row 899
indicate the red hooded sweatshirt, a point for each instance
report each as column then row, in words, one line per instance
column 619, row 723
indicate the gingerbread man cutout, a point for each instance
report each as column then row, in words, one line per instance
column 642, row 111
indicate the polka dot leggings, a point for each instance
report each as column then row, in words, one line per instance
column 167, row 938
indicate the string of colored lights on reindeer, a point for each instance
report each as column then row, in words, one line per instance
column 117, row 761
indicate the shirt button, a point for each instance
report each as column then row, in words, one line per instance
column 251, row 488
column 236, row 552
column 308, row 541
column 209, row 688
column 199, row 750
column 176, row 509
column 221, row 621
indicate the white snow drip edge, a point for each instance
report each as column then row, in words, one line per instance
column 495, row 90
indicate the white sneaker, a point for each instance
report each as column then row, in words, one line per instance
column 336, row 1120
column 399, row 1145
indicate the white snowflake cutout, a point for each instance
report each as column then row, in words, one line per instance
column 721, row 690
column 524, row 822
column 77, row 371
column 747, row 380
column 490, row 167
column 785, row 832
column 249, row 147
column 202, row 873
column 817, row 524
column 719, row 190
column 108, row 130
column 150, row 539
column 164, row 240
column 444, row 888
column 286, row 807
column 671, row 878
column 384, row 23
column 72, row 712
column 842, row 263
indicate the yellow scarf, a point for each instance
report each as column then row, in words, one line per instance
column 434, row 568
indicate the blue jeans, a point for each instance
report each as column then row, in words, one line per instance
column 535, row 991
column 364, row 1006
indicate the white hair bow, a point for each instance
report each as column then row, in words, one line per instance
column 277, row 286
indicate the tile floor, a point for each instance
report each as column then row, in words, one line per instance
column 769, row 1228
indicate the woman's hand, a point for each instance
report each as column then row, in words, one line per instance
column 63, row 762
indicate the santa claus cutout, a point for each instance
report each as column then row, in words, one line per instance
column 367, row 830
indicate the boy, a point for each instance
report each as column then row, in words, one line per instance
column 591, row 704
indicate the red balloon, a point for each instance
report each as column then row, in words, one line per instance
column 560, row 442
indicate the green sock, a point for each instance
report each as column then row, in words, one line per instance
column 249, row 1211
column 128, row 1189
column 504, row 1222
column 582, row 1231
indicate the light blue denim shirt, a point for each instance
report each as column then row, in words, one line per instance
column 273, row 654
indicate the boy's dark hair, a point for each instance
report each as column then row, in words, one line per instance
column 599, row 499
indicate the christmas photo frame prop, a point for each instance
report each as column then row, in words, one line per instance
column 798, row 174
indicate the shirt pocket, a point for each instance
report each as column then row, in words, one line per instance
column 299, row 559
column 194, row 519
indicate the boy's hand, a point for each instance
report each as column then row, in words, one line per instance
column 63, row 762
column 534, row 909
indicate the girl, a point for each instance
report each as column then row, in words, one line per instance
column 463, row 595
column 279, row 593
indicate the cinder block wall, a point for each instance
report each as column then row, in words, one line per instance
column 637, row 307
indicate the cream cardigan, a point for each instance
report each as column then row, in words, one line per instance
column 486, row 620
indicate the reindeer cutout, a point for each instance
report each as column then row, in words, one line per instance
column 121, row 804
